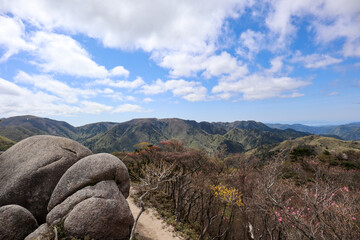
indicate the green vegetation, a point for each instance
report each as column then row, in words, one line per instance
column 301, row 152
column 5, row 143
column 235, row 137
column 331, row 151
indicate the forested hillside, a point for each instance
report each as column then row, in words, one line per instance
column 298, row 192
column 235, row 137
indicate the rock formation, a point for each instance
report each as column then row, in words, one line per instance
column 30, row 170
column 16, row 222
column 59, row 181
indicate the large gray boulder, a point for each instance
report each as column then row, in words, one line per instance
column 16, row 222
column 30, row 170
column 100, row 219
column 98, row 211
column 89, row 171
column 105, row 189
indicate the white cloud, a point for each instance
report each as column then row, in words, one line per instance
column 130, row 98
column 170, row 29
column 315, row 60
column 128, row 108
column 186, row 25
column 94, row 107
column 333, row 93
column 10, row 89
column 16, row 100
column 148, row 100
column 181, row 36
column 54, row 52
column 251, row 43
column 138, row 82
column 62, row 54
column 108, row 91
column 279, row 17
column 119, row 96
column 256, row 87
column 60, row 89
column 184, row 65
column 224, row 96
column 352, row 48
column 188, row 90
column 12, row 32
column 224, row 63
column 276, row 65
column 268, row 83
column 332, row 19
column 23, row 101
column 119, row 71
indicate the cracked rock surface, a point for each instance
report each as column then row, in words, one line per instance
column 89, row 171
column 90, row 199
column 59, row 183
column 30, row 170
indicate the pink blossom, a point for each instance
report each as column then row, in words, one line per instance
column 346, row 189
column 353, row 218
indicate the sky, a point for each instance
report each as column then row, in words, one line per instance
column 273, row 61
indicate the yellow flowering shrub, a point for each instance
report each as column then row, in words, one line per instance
column 227, row 194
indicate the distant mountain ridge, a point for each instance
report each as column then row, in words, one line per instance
column 350, row 131
column 236, row 136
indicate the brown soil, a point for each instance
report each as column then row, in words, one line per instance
column 149, row 226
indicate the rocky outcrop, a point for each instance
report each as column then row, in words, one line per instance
column 100, row 219
column 16, row 222
column 89, row 199
column 59, row 181
column 104, row 190
column 89, row 171
column 30, row 170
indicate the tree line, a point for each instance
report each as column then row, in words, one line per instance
column 235, row 197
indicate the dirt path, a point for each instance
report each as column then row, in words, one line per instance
column 149, row 227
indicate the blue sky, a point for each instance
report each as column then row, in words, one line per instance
column 207, row 60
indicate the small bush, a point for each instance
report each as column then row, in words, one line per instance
column 300, row 152
column 289, row 174
column 350, row 165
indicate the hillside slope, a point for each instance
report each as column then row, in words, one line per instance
column 207, row 136
column 5, row 143
column 21, row 127
column 320, row 144
column 349, row 131
column 329, row 150
column 237, row 136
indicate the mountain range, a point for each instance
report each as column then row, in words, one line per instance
column 238, row 136
column 349, row 131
